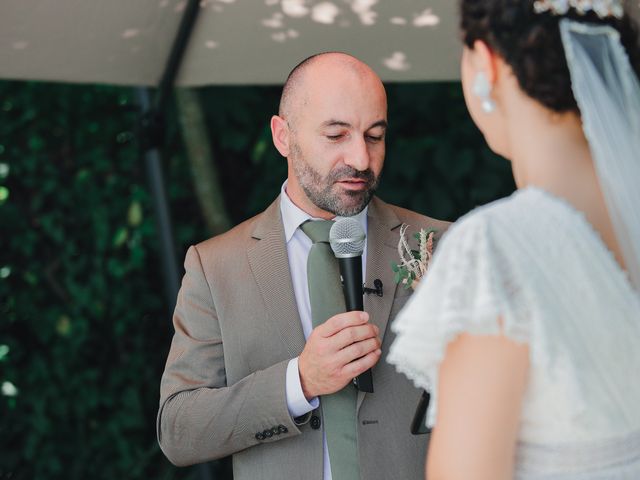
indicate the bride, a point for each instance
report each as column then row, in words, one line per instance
column 526, row 328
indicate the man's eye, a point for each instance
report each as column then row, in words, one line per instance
column 374, row 138
column 334, row 137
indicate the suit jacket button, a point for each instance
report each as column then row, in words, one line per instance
column 315, row 422
column 268, row 433
column 259, row 436
column 282, row 429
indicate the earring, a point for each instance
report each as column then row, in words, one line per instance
column 482, row 89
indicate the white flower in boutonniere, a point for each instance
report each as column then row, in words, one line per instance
column 413, row 263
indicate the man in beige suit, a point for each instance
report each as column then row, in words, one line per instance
column 247, row 372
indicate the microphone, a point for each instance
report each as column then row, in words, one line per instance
column 347, row 239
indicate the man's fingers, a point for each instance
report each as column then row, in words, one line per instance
column 356, row 350
column 363, row 364
column 349, row 335
column 341, row 321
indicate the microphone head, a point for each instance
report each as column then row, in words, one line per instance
column 347, row 238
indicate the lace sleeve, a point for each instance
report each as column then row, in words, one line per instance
column 468, row 288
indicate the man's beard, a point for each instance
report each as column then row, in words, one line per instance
column 325, row 194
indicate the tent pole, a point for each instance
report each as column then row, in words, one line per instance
column 153, row 162
column 152, row 140
column 152, row 123
column 172, row 67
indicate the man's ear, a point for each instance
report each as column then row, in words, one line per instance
column 281, row 135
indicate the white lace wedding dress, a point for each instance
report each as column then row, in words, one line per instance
column 534, row 261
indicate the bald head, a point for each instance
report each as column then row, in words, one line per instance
column 315, row 72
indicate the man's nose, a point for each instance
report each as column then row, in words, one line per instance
column 358, row 156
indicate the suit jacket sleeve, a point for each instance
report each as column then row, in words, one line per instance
column 201, row 418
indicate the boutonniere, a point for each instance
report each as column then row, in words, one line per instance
column 413, row 263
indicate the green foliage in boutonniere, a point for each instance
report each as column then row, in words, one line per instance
column 413, row 263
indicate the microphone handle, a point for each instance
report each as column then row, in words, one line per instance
column 351, row 271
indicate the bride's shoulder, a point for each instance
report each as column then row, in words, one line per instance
column 493, row 218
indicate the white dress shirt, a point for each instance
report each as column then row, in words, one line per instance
column 298, row 246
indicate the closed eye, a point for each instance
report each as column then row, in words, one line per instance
column 334, row 137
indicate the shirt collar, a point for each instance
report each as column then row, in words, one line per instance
column 293, row 216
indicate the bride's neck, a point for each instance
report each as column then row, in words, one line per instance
column 550, row 151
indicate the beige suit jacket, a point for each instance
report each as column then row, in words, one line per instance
column 236, row 328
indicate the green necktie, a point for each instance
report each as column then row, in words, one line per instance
column 327, row 300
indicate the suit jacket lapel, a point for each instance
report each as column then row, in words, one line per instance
column 382, row 244
column 269, row 263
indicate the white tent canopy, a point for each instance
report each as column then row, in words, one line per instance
column 127, row 42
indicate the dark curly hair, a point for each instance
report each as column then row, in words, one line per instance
column 530, row 44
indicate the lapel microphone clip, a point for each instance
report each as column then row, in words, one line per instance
column 377, row 288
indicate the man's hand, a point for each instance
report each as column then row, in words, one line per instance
column 337, row 351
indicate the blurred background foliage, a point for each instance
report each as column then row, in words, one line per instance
column 84, row 325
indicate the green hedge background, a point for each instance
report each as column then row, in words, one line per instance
column 84, row 325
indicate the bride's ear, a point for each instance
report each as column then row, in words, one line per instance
column 485, row 60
